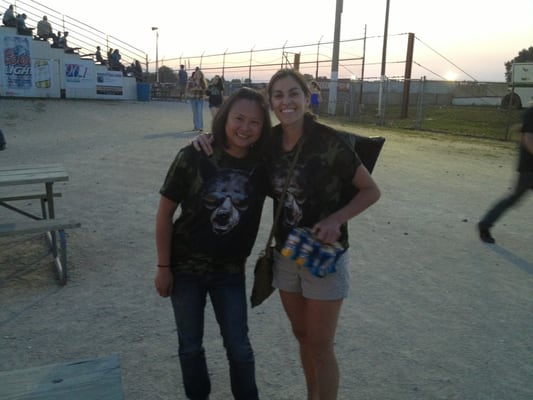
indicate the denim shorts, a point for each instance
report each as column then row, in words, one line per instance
column 293, row 278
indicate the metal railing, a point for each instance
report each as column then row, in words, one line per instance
column 81, row 34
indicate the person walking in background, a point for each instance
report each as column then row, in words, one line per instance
column 215, row 91
column 182, row 82
column 204, row 251
column 196, row 92
column 523, row 184
column 316, row 97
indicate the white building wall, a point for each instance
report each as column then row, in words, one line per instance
column 31, row 68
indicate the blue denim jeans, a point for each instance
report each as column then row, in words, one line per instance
column 197, row 106
column 228, row 296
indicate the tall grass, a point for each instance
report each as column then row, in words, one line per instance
column 478, row 121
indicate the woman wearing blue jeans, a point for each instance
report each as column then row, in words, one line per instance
column 196, row 90
column 203, row 252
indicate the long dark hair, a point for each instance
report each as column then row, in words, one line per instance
column 219, row 122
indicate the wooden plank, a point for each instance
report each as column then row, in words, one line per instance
column 34, row 226
column 27, row 196
column 28, row 174
column 88, row 379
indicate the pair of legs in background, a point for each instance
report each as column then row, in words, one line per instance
column 197, row 107
column 525, row 183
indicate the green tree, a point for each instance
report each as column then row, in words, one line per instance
column 525, row 55
column 167, row 75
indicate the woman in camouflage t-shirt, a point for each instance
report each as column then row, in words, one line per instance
column 328, row 187
column 205, row 249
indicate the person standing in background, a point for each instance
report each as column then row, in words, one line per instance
column 316, row 97
column 215, row 91
column 196, row 93
column 182, row 82
column 523, row 184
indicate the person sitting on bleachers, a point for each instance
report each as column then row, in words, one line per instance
column 114, row 62
column 98, row 56
column 62, row 43
column 44, row 30
column 22, row 29
column 9, row 17
column 55, row 40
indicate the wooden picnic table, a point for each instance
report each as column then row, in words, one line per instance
column 43, row 174
column 46, row 174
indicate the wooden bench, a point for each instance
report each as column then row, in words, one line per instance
column 87, row 379
column 54, row 230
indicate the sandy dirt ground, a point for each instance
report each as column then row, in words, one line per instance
column 433, row 312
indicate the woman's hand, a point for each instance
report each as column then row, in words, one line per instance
column 202, row 142
column 327, row 231
column 164, row 281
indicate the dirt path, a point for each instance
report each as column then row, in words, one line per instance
column 433, row 312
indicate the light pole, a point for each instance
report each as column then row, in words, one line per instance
column 156, row 29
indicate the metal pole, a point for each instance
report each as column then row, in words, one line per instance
column 156, row 29
column 407, row 75
column 362, row 75
column 283, row 54
column 332, row 101
column 317, row 55
column 383, row 58
column 250, row 67
column 224, row 63
column 157, row 56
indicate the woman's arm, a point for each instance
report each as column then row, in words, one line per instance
column 163, row 238
column 328, row 229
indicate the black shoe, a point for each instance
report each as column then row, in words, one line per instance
column 484, row 234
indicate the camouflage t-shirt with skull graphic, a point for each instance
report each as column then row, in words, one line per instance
column 221, row 200
column 321, row 182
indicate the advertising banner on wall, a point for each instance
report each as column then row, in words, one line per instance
column 109, row 82
column 79, row 74
column 42, row 73
column 17, row 66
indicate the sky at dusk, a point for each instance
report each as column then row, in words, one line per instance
column 455, row 39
